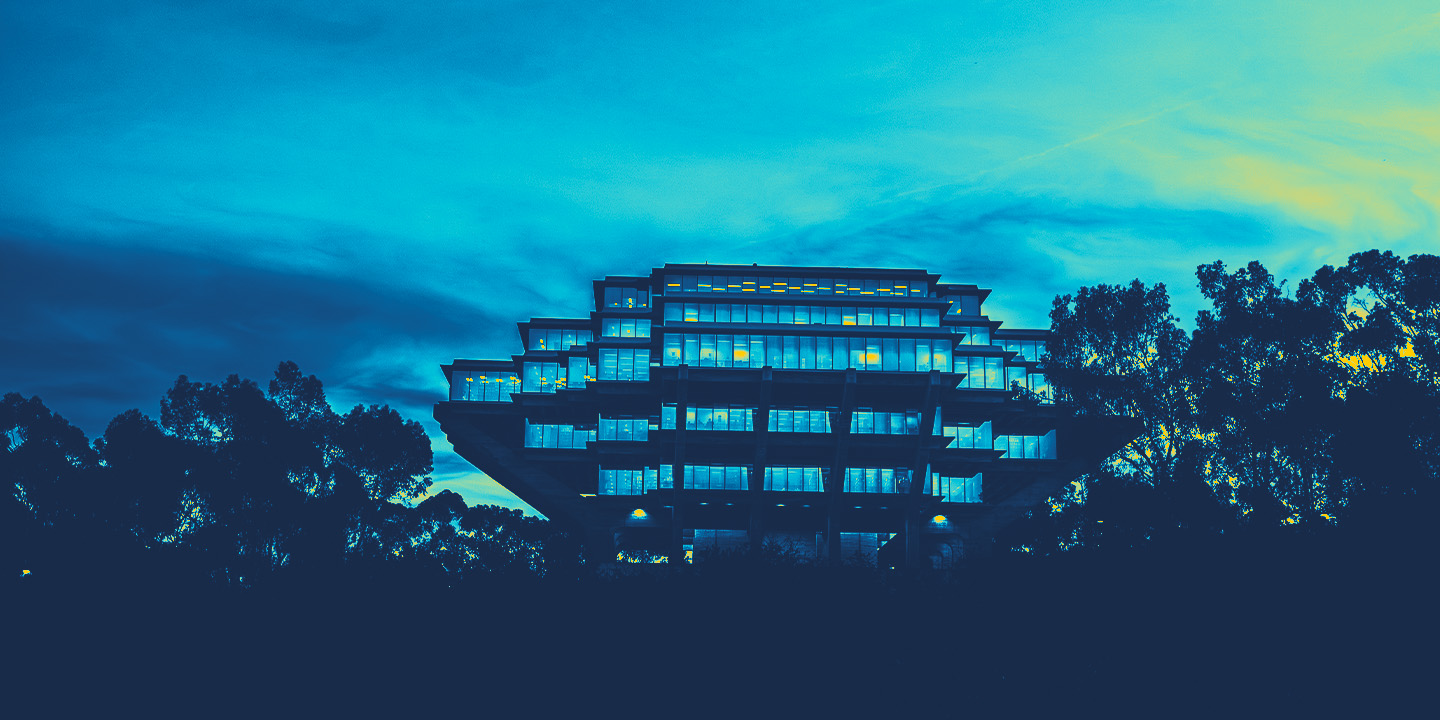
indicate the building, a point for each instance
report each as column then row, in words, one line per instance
column 841, row 414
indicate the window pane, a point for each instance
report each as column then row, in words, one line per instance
column 625, row 362
column 941, row 360
column 673, row 347
column 707, row 351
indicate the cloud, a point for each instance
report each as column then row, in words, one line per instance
column 96, row 329
column 370, row 187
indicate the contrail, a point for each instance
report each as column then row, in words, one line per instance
column 1077, row 141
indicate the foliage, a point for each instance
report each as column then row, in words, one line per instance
column 1278, row 409
column 238, row 485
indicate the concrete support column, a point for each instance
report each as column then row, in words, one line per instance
column 912, row 539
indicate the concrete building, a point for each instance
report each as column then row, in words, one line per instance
column 840, row 414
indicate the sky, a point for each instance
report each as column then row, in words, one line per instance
column 372, row 188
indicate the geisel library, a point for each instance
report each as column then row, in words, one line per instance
column 839, row 414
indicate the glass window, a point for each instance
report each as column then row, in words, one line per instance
column 578, row 368
column 609, row 364
column 707, row 351
column 722, row 312
column 872, row 353
column 626, row 364
column 857, row 353
column 792, row 356
column 674, row 346
column 724, row 350
column 822, row 353
column 866, row 316
column 807, row 353
column 642, row 365
column 741, row 351
column 835, row 315
column 890, row 356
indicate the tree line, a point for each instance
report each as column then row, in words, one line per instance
column 1283, row 410
column 237, row 486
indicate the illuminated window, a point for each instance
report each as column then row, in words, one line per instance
column 877, row 480
column 1027, row 447
column 968, row 437
column 564, row 437
column 625, row 364
column 795, row 479
column 957, row 489
column 614, row 481
column 717, row 477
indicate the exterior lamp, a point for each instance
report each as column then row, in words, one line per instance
column 639, row 514
column 940, row 520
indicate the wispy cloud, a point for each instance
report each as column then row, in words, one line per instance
column 402, row 181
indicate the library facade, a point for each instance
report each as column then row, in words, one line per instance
column 838, row 415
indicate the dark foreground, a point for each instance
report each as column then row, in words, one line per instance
column 1317, row 626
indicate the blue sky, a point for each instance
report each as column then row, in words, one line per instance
column 373, row 188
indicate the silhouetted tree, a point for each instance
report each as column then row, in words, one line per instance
column 45, row 467
column 1277, row 409
column 237, row 484
column 1118, row 351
